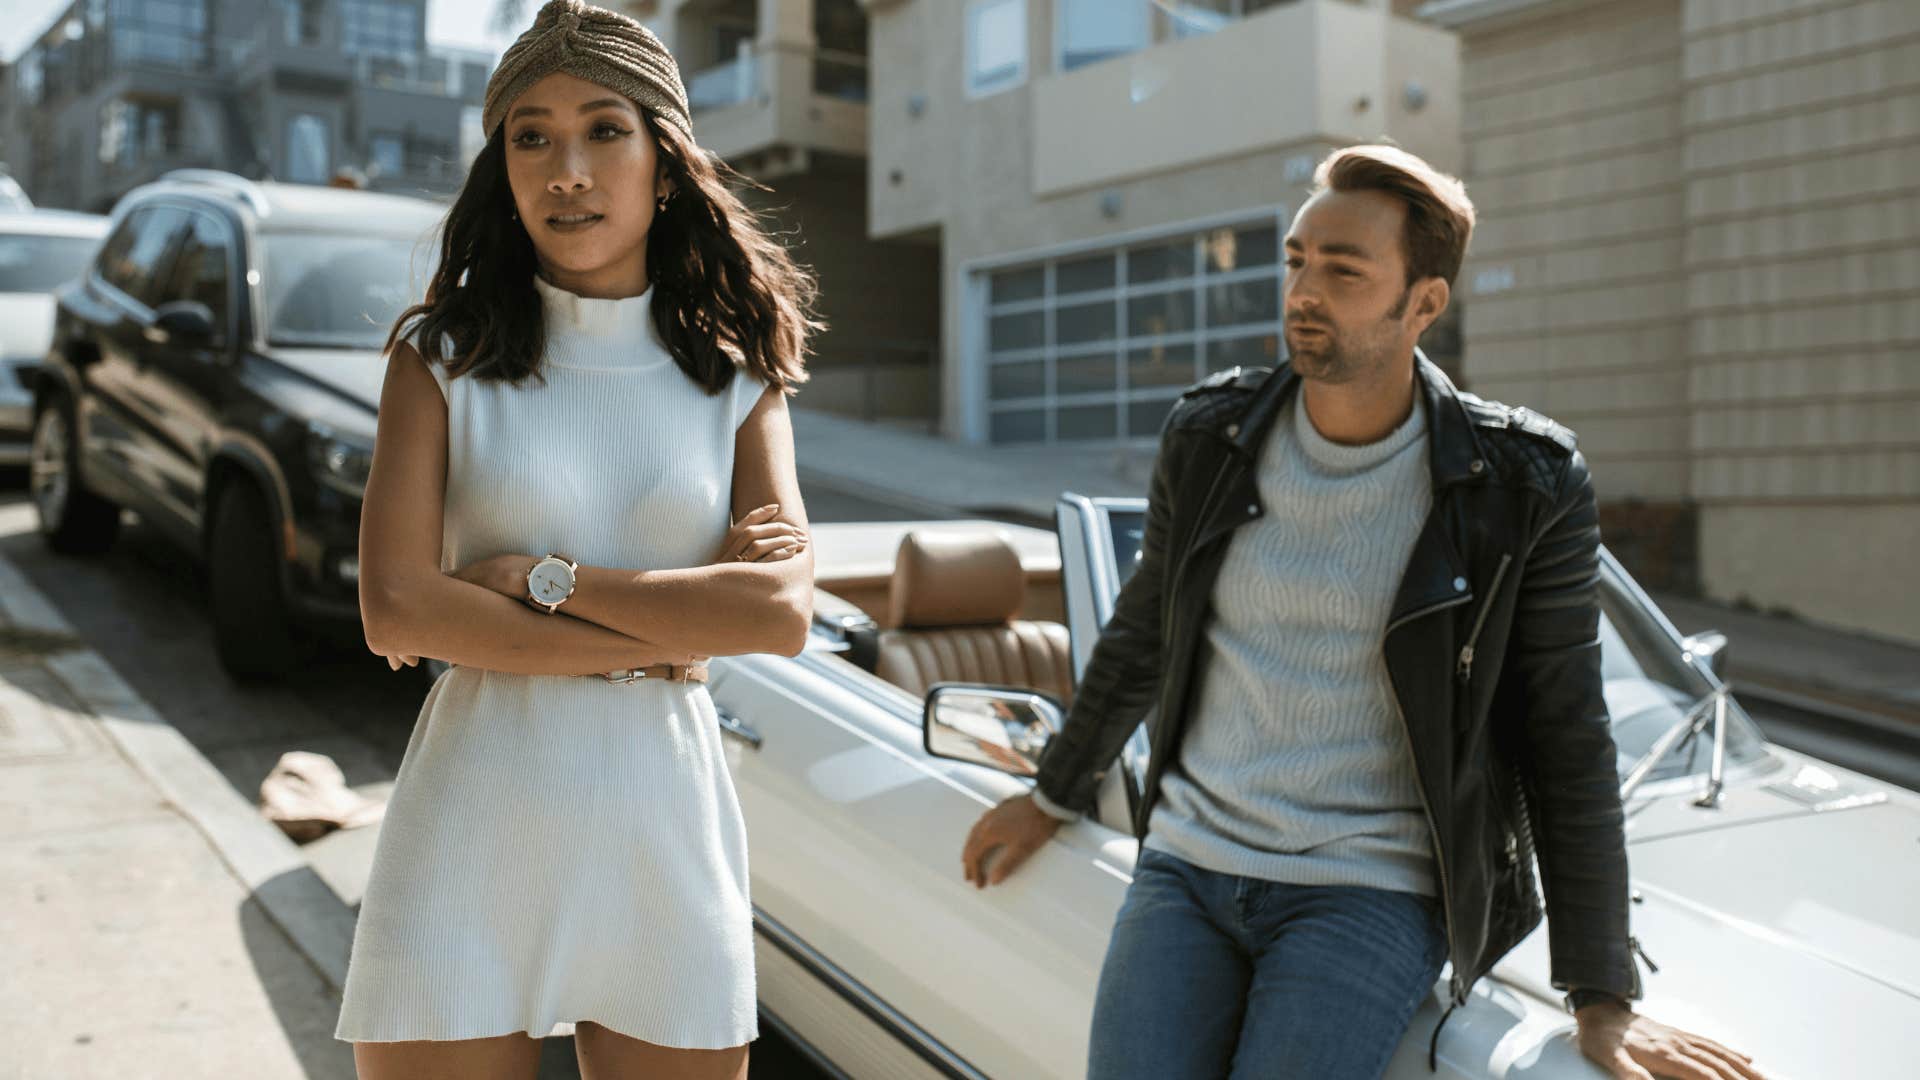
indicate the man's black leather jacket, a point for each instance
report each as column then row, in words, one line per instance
column 1491, row 647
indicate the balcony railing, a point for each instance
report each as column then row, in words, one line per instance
column 838, row 75
column 415, row 74
column 731, row 83
column 841, row 75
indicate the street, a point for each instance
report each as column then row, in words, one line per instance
column 142, row 606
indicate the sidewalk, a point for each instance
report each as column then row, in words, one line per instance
column 152, row 923
column 1020, row 483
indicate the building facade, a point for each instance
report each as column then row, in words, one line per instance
column 1697, row 247
column 117, row 92
column 779, row 90
column 1106, row 184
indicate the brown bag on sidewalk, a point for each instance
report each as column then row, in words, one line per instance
column 307, row 795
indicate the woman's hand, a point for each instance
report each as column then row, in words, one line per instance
column 396, row 661
column 504, row 574
column 759, row 537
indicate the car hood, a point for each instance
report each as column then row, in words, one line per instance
column 356, row 373
column 26, row 324
column 1784, row 923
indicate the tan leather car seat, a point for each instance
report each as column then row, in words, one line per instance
column 952, row 603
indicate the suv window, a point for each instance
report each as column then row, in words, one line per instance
column 40, row 264
column 136, row 253
column 200, row 270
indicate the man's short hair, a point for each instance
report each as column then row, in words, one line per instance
column 1439, row 214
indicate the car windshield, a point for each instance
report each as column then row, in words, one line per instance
column 1647, row 686
column 31, row 263
column 333, row 290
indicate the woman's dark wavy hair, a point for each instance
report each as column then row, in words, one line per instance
column 725, row 290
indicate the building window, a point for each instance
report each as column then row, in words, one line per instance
column 136, row 132
column 1175, row 19
column 1194, row 18
column 30, row 77
column 380, row 28
column 1096, row 346
column 386, row 155
column 996, row 52
column 307, row 23
column 1089, row 31
column 473, row 138
column 309, row 149
column 168, row 32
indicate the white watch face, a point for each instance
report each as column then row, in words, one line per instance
column 551, row 581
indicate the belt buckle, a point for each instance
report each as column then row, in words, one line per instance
column 625, row 675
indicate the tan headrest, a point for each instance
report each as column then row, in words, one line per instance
column 955, row 580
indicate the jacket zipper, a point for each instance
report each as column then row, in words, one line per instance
column 1465, row 667
column 1455, row 985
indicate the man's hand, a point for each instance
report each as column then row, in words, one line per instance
column 1631, row 1047
column 1017, row 828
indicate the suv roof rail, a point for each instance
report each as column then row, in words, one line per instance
column 233, row 182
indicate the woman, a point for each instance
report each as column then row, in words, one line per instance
column 599, row 369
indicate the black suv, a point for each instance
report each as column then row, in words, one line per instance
column 216, row 370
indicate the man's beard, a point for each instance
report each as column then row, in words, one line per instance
column 1337, row 358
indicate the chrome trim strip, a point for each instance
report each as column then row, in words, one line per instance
column 805, row 1049
column 870, row 1005
column 731, row 725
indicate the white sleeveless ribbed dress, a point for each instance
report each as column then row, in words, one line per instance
column 558, row 848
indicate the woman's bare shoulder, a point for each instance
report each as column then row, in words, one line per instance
column 407, row 355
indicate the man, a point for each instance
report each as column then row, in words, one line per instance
column 1366, row 609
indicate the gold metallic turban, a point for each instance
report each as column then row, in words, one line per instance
column 598, row 45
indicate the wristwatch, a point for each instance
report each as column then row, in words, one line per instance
column 550, row 581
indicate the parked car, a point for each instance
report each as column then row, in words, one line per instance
column 1781, row 913
column 217, row 370
column 12, row 196
column 40, row 250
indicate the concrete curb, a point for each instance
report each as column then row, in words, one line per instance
column 258, row 854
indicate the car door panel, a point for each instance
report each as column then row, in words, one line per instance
column 115, row 415
column 184, row 385
column 856, row 833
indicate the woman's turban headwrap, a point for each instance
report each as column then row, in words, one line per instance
column 598, row 45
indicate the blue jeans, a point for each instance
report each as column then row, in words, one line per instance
column 1212, row 975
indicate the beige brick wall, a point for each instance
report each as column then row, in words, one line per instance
column 1803, row 177
column 1574, row 292
column 1698, row 248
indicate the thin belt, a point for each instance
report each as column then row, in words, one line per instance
column 671, row 672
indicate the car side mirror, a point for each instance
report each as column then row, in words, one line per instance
column 1708, row 647
column 181, row 322
column 1003, row 727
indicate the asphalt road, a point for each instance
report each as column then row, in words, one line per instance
column 142, row 605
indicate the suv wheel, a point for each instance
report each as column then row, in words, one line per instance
column 252, row 625
column 73, row 520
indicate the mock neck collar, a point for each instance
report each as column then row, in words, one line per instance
column 567, row 312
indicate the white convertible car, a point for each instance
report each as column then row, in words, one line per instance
column 1778, row 895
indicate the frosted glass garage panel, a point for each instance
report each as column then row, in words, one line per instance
column 1093, row 346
